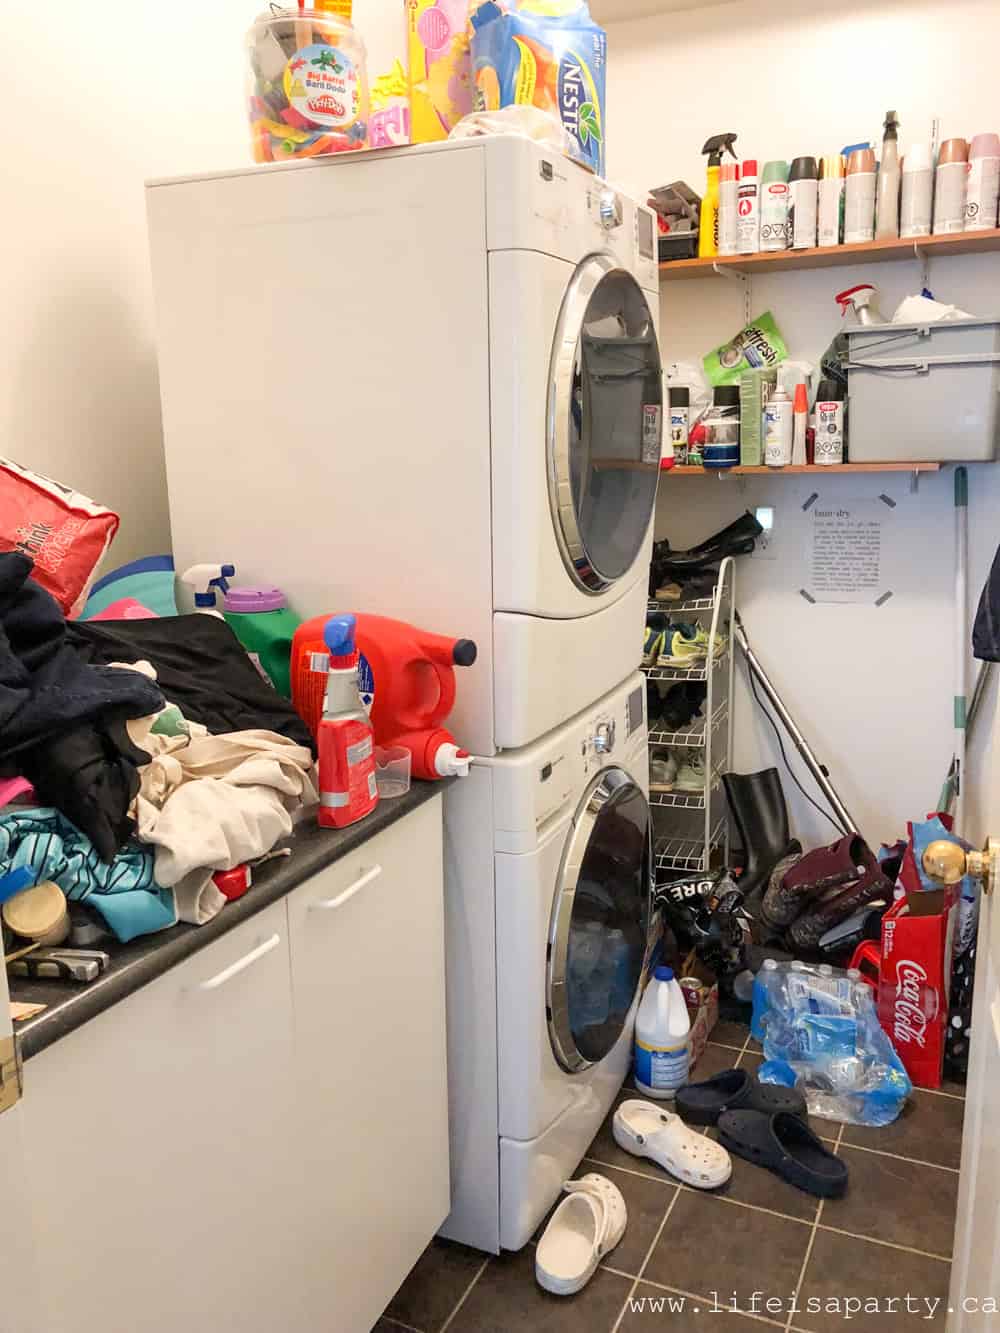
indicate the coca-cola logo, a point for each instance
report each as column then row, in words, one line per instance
column 910, row 1014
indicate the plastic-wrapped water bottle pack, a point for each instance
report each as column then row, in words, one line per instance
column 820, row 1032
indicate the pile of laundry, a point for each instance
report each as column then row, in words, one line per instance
column 140, row 757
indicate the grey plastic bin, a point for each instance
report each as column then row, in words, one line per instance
column 924, row 392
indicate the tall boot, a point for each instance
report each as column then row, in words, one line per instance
column 757, row 803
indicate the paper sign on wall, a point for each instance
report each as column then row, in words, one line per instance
column 847, row 551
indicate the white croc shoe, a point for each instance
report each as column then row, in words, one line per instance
column 586, row 1226
column 646, row 1130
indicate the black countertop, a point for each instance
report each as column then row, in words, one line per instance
column 71, row 1004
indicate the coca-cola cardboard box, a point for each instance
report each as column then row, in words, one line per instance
column 914, row 980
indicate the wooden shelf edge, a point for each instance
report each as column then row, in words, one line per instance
column 833, row 256
column 799, row 470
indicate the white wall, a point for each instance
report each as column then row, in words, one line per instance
column 872, row 688
column 133, row 89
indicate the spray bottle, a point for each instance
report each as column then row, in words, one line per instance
column 708, row 229
column 347, row 789
column 887, row 208
column 861, row 300
column 208, row 578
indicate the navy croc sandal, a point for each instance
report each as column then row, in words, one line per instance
column 787, row 1146
column 735, row 1090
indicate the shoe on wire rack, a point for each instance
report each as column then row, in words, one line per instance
column 654, row 639
column 682, row 704
column 654, row 705
column 662, row 771
column 701, row 637
column 681, row 647
column 691, row 774
column 688, row 589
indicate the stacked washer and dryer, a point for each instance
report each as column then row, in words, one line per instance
column 426, row 383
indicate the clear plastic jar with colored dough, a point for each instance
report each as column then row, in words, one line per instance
column 307, row 85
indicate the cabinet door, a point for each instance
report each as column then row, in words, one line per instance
column 367, row 941
column 159, row 1148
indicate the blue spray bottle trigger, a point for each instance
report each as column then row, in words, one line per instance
column 338, row 635
column 226, row 572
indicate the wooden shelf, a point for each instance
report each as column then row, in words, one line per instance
column 835, row 470
column 832, row 256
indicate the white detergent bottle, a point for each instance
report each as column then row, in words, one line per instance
column 662, row 1033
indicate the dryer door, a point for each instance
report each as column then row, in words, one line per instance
column 605, row 409
column 600, row 921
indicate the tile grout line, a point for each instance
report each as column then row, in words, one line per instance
column 709, row 1301
column 898, row 1157
column 809, row 1247
column 398, row 1323
column 652, row 1246
column 464, row 1296
column 888, row 1244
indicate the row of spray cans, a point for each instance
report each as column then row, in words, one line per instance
column 847, row 197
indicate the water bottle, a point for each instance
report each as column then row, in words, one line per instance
column 662, row 1032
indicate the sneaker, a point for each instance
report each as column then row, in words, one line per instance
column 662, row 772
column 654, row 705
column 669, row 592
column 691, row 774
column 682, row 704
column 654, row 639
column 701, row 637
column 681, row 647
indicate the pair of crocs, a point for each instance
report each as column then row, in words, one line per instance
column 764, row 1123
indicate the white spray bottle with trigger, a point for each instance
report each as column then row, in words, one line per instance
column 205, row 579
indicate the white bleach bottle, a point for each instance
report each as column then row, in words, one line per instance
column 662, row 1037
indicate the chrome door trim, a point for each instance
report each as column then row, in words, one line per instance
column 605, row 784
column 585, row 281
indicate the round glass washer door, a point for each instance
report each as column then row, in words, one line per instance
column 605, row 422
column 600, row 921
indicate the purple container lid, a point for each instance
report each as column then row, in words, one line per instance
column 245, row 601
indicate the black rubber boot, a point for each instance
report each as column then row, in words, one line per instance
column 757, row 804
column 741, row 528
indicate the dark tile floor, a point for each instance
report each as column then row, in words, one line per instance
column 690, row 1260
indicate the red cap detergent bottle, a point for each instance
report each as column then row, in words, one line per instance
column 407, row 681
column 347, row 790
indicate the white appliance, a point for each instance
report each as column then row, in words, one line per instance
column 426, row 383
column 552, row 843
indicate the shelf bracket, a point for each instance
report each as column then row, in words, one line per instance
column 925, row 264
column 736, row 276
column 914, row 481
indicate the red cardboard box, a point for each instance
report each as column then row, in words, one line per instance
column 915, row 979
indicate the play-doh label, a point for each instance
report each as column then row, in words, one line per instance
column 322, row 84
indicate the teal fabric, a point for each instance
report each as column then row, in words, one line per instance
column 125, row 893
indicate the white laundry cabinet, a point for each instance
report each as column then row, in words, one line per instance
column 258, row 1139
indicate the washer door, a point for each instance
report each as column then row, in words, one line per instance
column 600, row 921
column 605, row 410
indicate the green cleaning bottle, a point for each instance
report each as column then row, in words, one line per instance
column 261, row 620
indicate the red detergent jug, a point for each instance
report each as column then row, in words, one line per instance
column 407, row 680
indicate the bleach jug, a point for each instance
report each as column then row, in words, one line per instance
column 407, row 682
column 662, row 1032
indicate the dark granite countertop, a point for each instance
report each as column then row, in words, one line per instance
column 70, row 1004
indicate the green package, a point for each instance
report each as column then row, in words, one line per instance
column 759, row 346
column 756, row 387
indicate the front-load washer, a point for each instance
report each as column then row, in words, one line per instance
column 548, row 934
column 427, row 383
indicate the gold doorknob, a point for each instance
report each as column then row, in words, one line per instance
column 947, row 863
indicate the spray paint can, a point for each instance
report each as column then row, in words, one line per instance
column 831, row 199
column 802, row 187
column 983, row 183
column 917, row 192
column 949, row 187
column 729, row 184
column 828, row 418
column 774, row 206
column 778, row 428
column 859, row 197
column 680, row 417
column 748, row 209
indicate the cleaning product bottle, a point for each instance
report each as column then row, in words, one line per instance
column 680, row 412
column 774, row 207
column 729, row 184
column 803, row 180
column 950, row 182
column 831, row 199
column 917, row 192
column 261, row 620
column 347, row 790
column 748, row 209
column 828, row 415
column 778, row 427
column 662, row 1034
column 887, row 208
column 708, row 227
column 800, row 420
column 862, row 300
column 859, row 197
column 208, row 578
column 983, row 183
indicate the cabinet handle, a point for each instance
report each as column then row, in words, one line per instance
column 241, row 964
column 331, row 904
